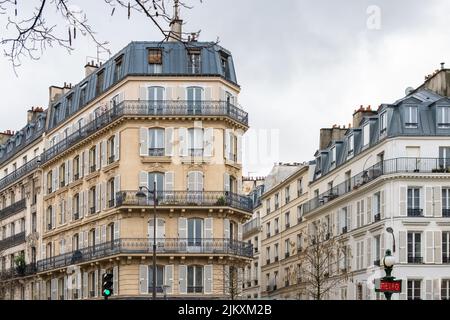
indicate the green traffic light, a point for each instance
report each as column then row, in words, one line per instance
column 107, row 292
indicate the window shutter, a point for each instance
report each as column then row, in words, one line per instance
column 369, row 210
column 226, row 280
column 402, row 246
column 362, row 212
column 226, row 143
column 86, row 162
column 382, row 204
column 97, row 235
column 55, row 179
column 117, row 147
column 98, row 196
column 240, row 232
column 86, row 239
column 104, row 233
column 239, row 147
column 143, row 179
column 54, row 289
column 349, row 218
column 103, row 195
column 81, row 240
column 183, row 137
column 437, row 201
column 85, row 285
column 53, row 217
column 81, row 204
column 116, row 188
column 78, row 284
column 382, row 245
column 369, row 261
column 144, row 142
column 117, row 230
column 208, row 281
column 437, row 247
column 66, row 173
column 428, row 289
column 182, row 278
column 143, row 93
column 69, row 171
column 403, row 201
column 96, row 283
column 208, row 142
column 358, row 218
column 182, row 228
column 168, row 183
column 69, row 209
column 115, row 280
column 80, row 164
column 103, row 161
column 428, row 202
column 436, row 289
column 168, row 279
column 226, row 182
column 239, row 186
column 209, row 228
column 65, row 288
column 98, row 156
column 169, row 145
column 226, row 228
column 429, row 246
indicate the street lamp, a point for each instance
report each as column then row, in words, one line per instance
column 391, row 231
column 388, row 263
column 141, row 194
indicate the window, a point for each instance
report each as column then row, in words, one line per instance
column 268, row 255
column 446, row 202
column 62, row 175
column 351, row 145
column 366, row 134
column 359, row 255
column 195, row 232
column 287, row 194
column 333, row 156
column 268, row 229
column 377, row 250
column 194, row 100
column 92, row 199
column 443, row 117
column 446, row 247
column 50, row 181
column 50, row 218
column 275, row 249
column 299, row 242
column 360, row 214
column 155, row 99
column 100, row 82
column 118, row 69
column 287, row 220
column 156, row 142
column 445, row 289
column 299, row 187
column 194, row 63
column 411, row 116
column 159, row 278
column 414, row 289
column 76, row 168
column 195, row 279
column 414, row 247
column 155, row 60
column 277, row 203
column 33, row 222
column 383, row 122
column 299, row 213
column 377, row 206
column 343, row 220
column 195, row 142
column 92, row 159
column 414, row 209
column 444, row 157
column 76, row 206
column 69, row 104
column 268, row 205
column 111, row 149
column 286, row 248
column 225, row 65
column 276, row 226
column 111, row 192
column 83, row 96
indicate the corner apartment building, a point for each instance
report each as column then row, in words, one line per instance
column 155, row 115
column 20, row 204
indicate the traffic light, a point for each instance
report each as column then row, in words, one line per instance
column 107, row 285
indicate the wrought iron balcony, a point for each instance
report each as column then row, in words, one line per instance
column 156, row 152
column 414, row 212
column 13, row 209
column 12, row 241
column 148, row 108
column 19, row 173
column 195, row 153
column 195, row 289
column 415, row 259
column 377, row 217
column 186, row 198
column 145, row 246
column 251, row 227
column 386, row 167
column 17, row 272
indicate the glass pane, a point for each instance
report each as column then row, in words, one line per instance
column 190, row 276
column 198, row 276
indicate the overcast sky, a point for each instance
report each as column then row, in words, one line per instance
column 302, row 65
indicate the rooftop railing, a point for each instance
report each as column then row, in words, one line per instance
column 186, row 198
column 391, row 166
column 13, row 209
column 148, row 108
column 145, row 246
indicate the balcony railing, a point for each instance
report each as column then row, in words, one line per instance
column 391, row 166
column 148, row 108
column 445, row 258
column 414, row 212
column 13, row 209
column 377, row 217
column 16, row 272
column 19, row 173
column 156, row 152
column 186, row 198
column 196, row 289
column 251, row 226
column 415, row 259
column 195, row 153
column 12, row 241
column 145, row 246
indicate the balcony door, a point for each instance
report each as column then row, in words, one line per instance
column 160, row 232
column 155, row 100
column 156, row 139
column 195, row 187
column 155, row 179
column 195, row 234
column 194, row 100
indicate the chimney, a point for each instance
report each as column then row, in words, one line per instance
column 359, row 114
column 55, row 93
column 89, row 68
column 331, row 134
column 176, row 24
column 4, row 136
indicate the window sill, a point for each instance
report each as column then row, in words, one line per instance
column 111, row 166
column 148, row 159
column 195, row 159
column 76, row 183
column 92, row 175
column 62, row 190
column 233, row 164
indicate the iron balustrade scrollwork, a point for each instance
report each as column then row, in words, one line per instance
column 147, row 108
column 385, row 167
column 12, row 241
column 145, row 246
column 18, row 272
column 13, row 209
column 186, row 198
column 20, row 172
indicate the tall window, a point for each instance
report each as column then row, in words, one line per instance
column 69, row 104
column 33, row 222
column 156, row 142
column 50, row 181
column 414, row 209
column 268, row 229
column 155, row 60
column 276, row 225
column 62, row 175
column 351, row 145
column 446, row 202
column 195, row 181
column 195, row 232
column 414, row 289
column 195, row 279
column 76, row 206
column 287, row 194
column 111, row 151
column 100, row 82
column 83, row 95
column 118, row 69
column 366, row 134
column 383, row 122
column 111, row 193
column 194, row 65
column 275, row 248
column 92, row 199
column 343, row 220
column 194, row 100
column 159, row 278
column 445, row 289
column 225, row 65
column 286, row 248
column 299, row 187
column 377, row 206
column 333, row 156
column 446, row 247
column 50, row 218
column 268, row 205
column 76, row 168
column 158, row 178
column 195, row 142
column 411, row 116
column 443, row 117
column 155, row 99
column 287, row 220
column 444, row 157
column 277, row 201
column 414, row 247
column 376, row 250
column 299, row 213
column 92, row 159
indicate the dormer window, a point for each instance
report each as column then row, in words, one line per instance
column 318, row 166
column 443, row 117
column 366, row 134
column 19, row 139
column 118, row 69
column 100, row 82
column 9, row 146
column 194, row 63
column 351, row 145
column 28, row 133
column 411, row 116
column 333, row 156
column 155, row 60
column 82, row 100
column 383, row 122
column 225, row 65
column 69, row 104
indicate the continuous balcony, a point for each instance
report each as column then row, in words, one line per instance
column 252, row 226
column 144, row 246
column 386, row 167
column 12, row 241
column 149, row 108
column 187, row 198
column 17, row 272
column 13, row 209
column 19, row 173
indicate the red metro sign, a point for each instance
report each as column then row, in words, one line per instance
column 388, row 286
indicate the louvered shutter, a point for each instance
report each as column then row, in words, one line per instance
column 143, row 279
column 208, row 142
column 182, row 278
column 117, row 147
column 169, row 145
column 183, row 142
column 168, row 278
column 208, row 279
